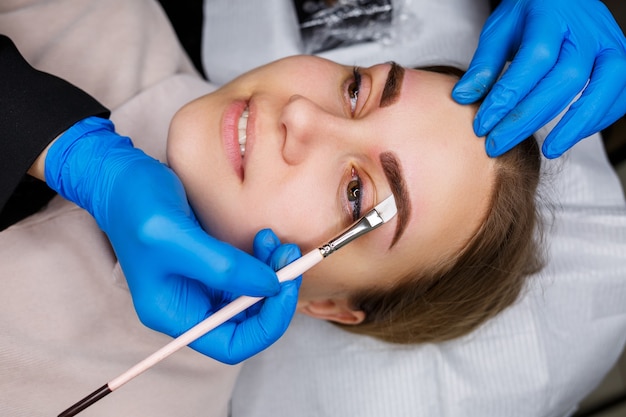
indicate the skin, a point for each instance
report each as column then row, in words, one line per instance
column 306, row 141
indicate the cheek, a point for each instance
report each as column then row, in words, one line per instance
column 192, row 139
column 298, row 212
column 359, row 266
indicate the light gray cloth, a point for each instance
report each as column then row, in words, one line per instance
column 67, row 324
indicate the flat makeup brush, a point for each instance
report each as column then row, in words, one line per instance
column 376, row 217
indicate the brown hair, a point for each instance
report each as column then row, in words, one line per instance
column 482, row 280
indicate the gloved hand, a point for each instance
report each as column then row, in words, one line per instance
column 176, row 273
column 556, row 46
column 242, row 334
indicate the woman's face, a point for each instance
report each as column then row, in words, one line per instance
column 322, row 146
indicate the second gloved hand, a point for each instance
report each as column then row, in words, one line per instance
column 555, row 48
column 176, row 273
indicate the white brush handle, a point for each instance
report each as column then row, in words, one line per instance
column 289, row 272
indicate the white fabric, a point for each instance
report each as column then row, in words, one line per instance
column 539, row 358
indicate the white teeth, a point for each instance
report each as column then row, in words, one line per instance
column 241, row 127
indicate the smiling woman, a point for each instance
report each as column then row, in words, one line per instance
column 304, row 145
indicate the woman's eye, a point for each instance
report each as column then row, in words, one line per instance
column 354, row 195
column 353, row 89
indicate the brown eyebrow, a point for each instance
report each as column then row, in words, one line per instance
column 393, row 85
column 400, row 191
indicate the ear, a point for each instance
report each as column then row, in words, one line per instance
column 337, row 310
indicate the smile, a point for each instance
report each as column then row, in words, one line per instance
column 242, row 125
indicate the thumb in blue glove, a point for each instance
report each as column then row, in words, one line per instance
column 557, row 49
column 241, row 334
column 176, row 273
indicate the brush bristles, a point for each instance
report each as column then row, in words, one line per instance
column 387, row 209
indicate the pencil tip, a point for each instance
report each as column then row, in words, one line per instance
column 87, row 401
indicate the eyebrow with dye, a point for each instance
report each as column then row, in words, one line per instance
column 389, row 161
column 397, row 183
column 393, row 85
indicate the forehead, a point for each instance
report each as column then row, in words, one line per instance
column 450, row 175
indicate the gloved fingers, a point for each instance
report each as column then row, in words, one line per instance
column 283, row 255
column 265, row 243
column 176, row 305
column 234, row 342
column 495, row 46
column 562, row 83
column 264, row 322
column 602, row 102
column 279, row 258
column 218, row 265
column 539, row 51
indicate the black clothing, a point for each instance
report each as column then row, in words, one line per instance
column 35, row 107
column 187, row 18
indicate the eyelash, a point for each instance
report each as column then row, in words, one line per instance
column 354, row 194
column 353, row 89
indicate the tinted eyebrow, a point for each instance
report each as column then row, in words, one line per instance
column 393, row 85
column 393, row 172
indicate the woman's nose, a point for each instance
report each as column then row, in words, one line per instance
column 307, row 128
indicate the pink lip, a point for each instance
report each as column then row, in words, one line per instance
column 230, row 135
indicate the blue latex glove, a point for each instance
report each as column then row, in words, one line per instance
column 555, row 47
column 247, row 329
column 176, row 273
column 244, row 330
